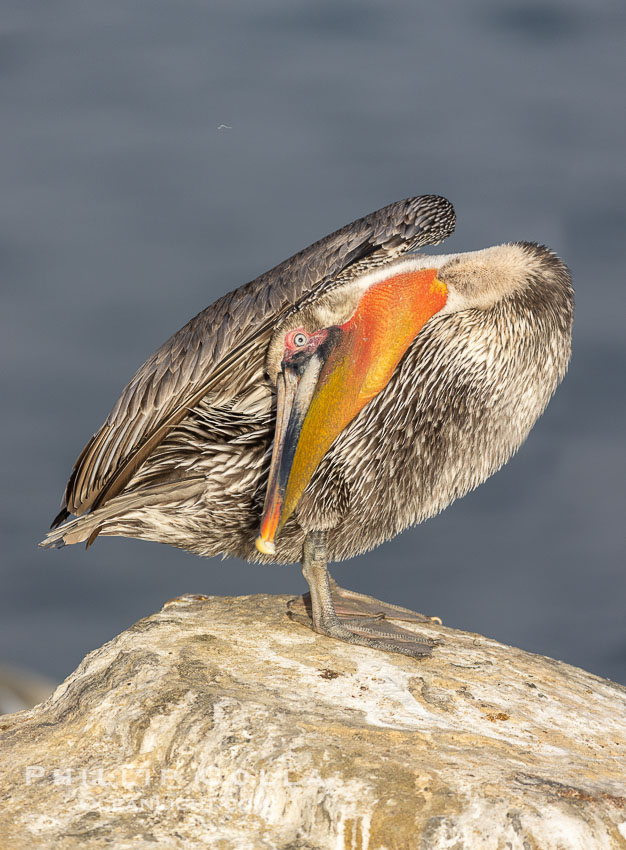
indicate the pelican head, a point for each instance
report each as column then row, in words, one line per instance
column 330, row 358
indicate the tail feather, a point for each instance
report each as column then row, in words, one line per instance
column 106, row 520
column 75, row 531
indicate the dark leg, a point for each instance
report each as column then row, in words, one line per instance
column 368, row 626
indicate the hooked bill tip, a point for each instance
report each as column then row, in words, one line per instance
column 265, row 547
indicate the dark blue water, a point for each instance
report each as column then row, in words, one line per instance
column 125, row 210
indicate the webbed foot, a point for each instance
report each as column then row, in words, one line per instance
column 353, row 617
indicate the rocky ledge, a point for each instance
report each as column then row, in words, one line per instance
column 218, row 722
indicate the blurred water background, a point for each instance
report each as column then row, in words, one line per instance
column 125, row 209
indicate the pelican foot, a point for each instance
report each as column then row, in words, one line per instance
column 374, row 632
column 352, row 617
column 349, row 603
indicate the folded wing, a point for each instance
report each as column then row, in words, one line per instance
column 204, row 353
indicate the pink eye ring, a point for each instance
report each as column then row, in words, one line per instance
column 296, row 339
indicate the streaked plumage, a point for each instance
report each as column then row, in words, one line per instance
column 183, row 457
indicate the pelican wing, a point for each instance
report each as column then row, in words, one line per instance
column 196, row 359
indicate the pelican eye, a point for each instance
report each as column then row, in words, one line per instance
column 300, row 339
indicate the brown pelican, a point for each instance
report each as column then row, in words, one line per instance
column 324, row 407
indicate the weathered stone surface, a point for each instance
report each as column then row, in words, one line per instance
column 220, row 723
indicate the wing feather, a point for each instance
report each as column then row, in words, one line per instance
column 198, row 357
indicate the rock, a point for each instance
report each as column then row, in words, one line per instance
column 219, row 723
